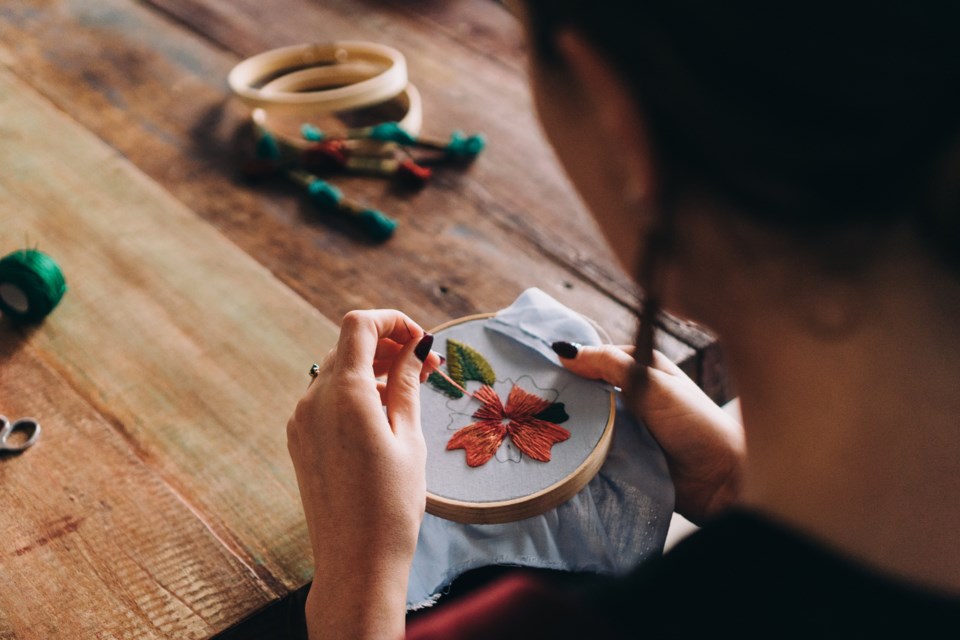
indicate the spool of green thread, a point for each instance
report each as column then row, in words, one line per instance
column 31, row 286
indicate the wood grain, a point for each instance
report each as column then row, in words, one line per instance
column 468, row 243
column 94, row 544
column 193, row 352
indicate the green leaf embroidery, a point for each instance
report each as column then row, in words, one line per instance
column 440, row 384
column 463, row 363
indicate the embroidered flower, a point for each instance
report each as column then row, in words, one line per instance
column 529, row 420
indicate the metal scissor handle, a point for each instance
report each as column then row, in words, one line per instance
column 27, row 426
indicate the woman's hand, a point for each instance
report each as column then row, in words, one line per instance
column 705, row 446
column 361, row 472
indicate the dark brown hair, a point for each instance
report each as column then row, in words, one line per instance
column 808, row 117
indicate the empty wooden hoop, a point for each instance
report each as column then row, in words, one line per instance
column 250, row 79
column 408, row 99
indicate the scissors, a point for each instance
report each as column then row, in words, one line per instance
column 26, row 426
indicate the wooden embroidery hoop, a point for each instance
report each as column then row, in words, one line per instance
column 319, row 83
column 498, row 512
column 368, row 73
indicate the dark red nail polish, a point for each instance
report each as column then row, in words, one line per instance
column 423, row 347
column 566, row 350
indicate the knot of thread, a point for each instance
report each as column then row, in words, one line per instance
column 391, row 132
column 463, row 146
column 413, row 174
column 312, row 133
column 375, row 223
column 267, row 147
column 31, row 285
column 325, row 194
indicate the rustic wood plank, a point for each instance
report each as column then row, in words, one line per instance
column 192, row 350
column 157, row 94
column 94, row 544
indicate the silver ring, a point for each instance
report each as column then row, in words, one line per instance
column 25, row 426
column 314, row 370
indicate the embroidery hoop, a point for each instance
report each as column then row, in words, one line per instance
column 372, row 74
column 509, row 510
column 288, row 129
column 287, row 86
column 408, row 99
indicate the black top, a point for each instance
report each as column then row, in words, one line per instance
column 742, row 575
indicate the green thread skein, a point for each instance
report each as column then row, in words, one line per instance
column 392, row 132
column 267, row 147
column 31, row 286
column 375, row 223
column 325, row 194
column 312, row 133
column 463, row 146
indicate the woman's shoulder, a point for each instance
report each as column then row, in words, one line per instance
column 741, row 572
column 758, row 576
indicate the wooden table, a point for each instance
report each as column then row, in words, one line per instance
column 160, row 501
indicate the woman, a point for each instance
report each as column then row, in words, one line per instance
column 790, row 177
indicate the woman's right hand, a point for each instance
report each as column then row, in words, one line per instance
column 705, row 446
column 360, row 460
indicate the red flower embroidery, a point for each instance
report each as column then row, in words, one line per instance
column 533, row 436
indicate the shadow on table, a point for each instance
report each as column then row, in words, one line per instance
column 12, row 339
column 282, row 620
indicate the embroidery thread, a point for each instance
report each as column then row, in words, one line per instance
column 523, row 419
column 463, row 363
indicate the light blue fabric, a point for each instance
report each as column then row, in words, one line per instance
column 617, row 520
column 537, row 321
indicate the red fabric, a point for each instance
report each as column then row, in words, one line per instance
column 515, row 607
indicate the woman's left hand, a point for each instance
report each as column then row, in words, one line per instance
column 705, row 446
column 361, row 473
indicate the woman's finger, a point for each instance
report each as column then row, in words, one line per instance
column 665, row 364
column 403, row 386
column 432, row 363
column 606, row 362
column 387, row 352
column 362, row 331
column 387, row 349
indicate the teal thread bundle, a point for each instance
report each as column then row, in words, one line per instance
column 459, row 147
column 375, row 223
column 369, row 150
column 31, row 286
column 391, row 132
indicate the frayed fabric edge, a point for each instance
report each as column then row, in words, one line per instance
column 425, row 604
